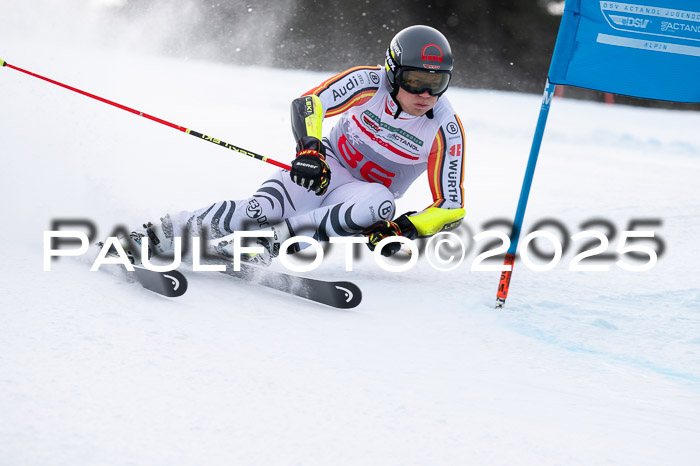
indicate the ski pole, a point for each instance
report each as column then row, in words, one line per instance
column 509, row 261
column 194, row 133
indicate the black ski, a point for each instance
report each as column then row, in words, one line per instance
column 171, row 284
column 339, row 294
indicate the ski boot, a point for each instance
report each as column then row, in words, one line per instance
column 159, row 241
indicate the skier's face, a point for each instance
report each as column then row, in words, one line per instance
column 416, row 104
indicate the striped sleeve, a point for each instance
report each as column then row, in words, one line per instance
column 446, row 165
column 352, row 87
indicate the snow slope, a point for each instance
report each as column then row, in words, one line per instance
column 580, row 368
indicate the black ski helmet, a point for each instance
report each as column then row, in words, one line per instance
column 418, row 48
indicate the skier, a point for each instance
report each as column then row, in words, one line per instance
column 394, row 126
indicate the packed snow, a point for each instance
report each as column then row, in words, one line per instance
column 580, row 367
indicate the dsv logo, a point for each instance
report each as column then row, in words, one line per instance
column 627, row 21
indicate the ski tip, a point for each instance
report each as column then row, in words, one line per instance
column 178, row 283
column 171, row 284
column 349, row 295
column 500, row 302
column 2, row 62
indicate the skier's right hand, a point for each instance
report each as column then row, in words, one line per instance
column 309, row 168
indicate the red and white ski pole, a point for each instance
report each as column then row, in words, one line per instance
column 153, row 118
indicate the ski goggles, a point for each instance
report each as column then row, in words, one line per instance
column 419, row 81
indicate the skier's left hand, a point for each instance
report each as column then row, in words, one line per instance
column 402, row 226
